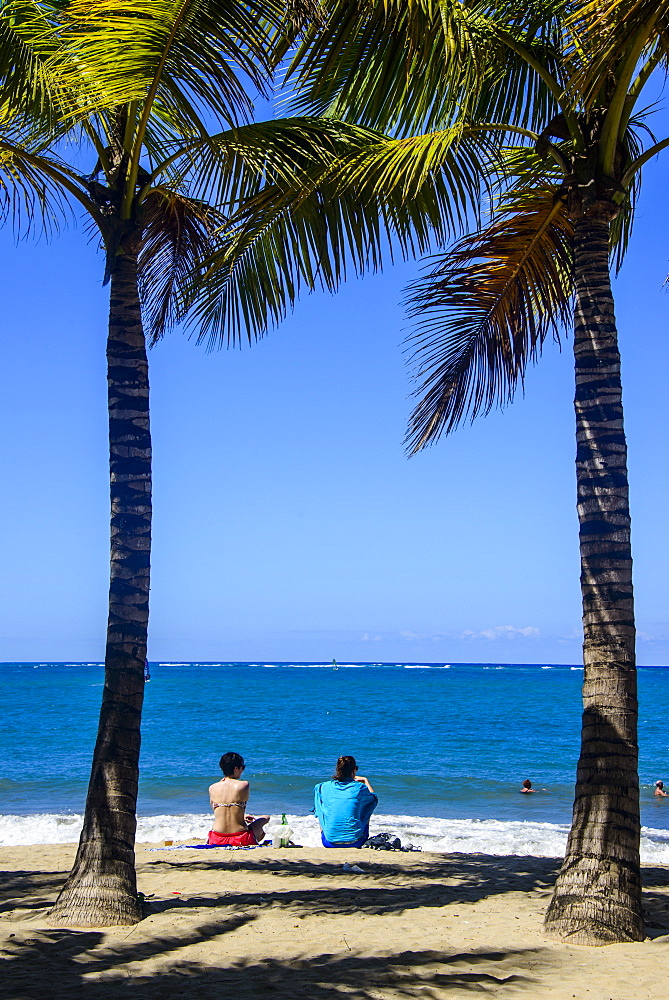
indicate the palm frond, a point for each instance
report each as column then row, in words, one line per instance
column 29, row 45
column 484, row 310
column 29, row 198
column 301, row 14
column 621, row 227
column 23, row 81
column 202, row 56
column 232, row 166
column 177, row 233
column 526, row 35
column 605, row 32
column 345, row 200
column 395, row 65
column 406, row 66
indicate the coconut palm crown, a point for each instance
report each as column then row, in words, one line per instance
column 538, row 106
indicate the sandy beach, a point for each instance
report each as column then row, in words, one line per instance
column 293, row 923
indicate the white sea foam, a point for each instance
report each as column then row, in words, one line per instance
column 466, row 836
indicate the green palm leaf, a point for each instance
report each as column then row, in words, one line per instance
column 406, row 67
column 178, row 231
column 28, row 41
column 343, row 201
column 605, row 33
column 28, row 199
column 198, row 56
column 363, row 64
column 484, row 311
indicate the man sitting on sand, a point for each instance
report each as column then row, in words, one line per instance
column 344, row 805
column 229, row 798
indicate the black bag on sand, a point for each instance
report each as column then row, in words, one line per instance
column 384, row 842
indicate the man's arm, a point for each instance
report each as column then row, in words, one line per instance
column 365, row 781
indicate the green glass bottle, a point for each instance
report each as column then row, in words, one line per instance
column 284, row 840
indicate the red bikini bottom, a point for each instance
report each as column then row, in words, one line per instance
column 245, row 839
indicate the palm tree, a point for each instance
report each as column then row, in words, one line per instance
column 130, row 86
column 540, row 102
column 484, row 311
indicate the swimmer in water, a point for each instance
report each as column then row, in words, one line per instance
column 659, row 790
column 527, row 787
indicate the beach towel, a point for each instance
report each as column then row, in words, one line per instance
column 202, row 847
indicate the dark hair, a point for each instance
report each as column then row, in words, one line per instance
column 228, row 763
column 527, row 783
column 344, row 769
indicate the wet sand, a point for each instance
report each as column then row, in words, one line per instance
column 293, row 923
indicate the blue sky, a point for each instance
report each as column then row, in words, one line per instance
column 288, row 523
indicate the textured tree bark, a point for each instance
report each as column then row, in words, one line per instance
column 597, row 898
column 102, row 887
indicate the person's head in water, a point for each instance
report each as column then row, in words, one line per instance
column 229, row 763
column 345, row 769
column 660, row 785
column 527, row 783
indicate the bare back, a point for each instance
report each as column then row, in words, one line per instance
column 228, row 798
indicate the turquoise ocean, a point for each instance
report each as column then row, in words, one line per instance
column 446, row 747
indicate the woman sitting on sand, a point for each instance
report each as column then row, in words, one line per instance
column 228, row 798
column 344, row 805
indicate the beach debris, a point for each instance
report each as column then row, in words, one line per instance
column 280, row 833
column 388, row 842
column 384, row 842
column 353, row 868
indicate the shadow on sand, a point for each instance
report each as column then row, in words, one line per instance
column 69, row 960
column 384, row 888
column 96, row 966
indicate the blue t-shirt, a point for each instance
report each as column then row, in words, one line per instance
column 343, row 809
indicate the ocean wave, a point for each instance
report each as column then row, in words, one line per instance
column 450, row 836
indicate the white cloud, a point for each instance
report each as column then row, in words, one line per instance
column 503, row 632
column 422, row 636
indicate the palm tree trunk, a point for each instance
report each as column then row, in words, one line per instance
column 597, row 898
column 102, row 887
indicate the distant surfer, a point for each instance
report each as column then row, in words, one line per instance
column 659, row 790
